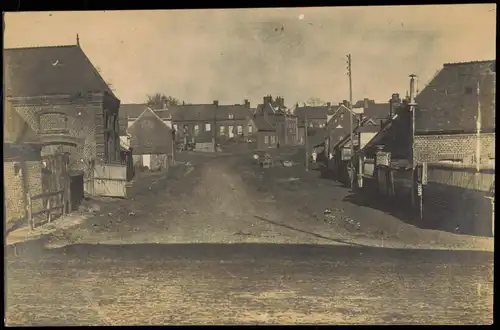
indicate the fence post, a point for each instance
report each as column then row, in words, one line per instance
column 63, row 201
column 493, row 216
column 49, row 216
column 29, row 209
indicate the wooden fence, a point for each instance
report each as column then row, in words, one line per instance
column 52, row 201
column 462, row 176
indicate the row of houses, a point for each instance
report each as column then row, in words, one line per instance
column 269, row 125
column 435, row 145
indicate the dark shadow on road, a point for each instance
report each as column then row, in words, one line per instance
column 401, row 208
column 308, row 232
column 398, row 209
column 253, row 252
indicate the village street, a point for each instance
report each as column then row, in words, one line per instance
column 162, row 257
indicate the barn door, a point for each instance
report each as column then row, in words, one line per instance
column 110, row 180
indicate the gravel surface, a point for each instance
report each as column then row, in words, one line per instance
column 161, row 284
column 220, row 241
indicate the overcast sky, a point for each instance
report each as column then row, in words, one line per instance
column 235, row 54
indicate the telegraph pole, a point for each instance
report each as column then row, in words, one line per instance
column 349, row 73
column 412, row 105
column 214, row 129
column 478, row 130
column 305, row 143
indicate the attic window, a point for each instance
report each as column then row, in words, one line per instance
column 468, row 90
column 231, row 116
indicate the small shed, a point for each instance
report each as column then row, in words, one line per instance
column 151, row 141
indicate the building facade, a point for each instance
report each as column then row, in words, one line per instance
column 65, row 101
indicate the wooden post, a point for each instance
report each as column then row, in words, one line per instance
column 29, row 210
column 49, row 215
column 360, row 171
column 392, row 192
column 493, row 217
column 421, row 199
column 306, row 143
column 63, row 201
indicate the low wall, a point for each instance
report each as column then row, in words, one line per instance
column 457, row 209
column 454, row 198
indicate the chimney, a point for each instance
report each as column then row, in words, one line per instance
column 394, row 103
column 365, row 105
column 216, row 103
column 247, row 103
column 77, row 40
column 412, row 88
column 328, row 104
column 281, row 102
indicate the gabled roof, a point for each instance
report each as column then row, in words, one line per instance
column 339, row 110
column 150, row 135
column 449, row 103
column 206, row 112
column 193, row 112
column 263, row 125
column 383, row 131
column 377, row 110
column 239, row 111
column 318, row 112
column 132, row 110
column 54, row 70
column 368, row 125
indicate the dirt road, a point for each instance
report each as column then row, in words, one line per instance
column 162, row 258
column 227, row 200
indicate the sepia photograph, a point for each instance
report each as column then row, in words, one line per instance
column 251, row 166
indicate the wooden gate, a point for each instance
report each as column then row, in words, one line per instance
column 110, row 180
column 55, row 196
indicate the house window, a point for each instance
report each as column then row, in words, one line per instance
column 311, row 125
column 250, row 129
column 468, row 90
column 239, row 130
column 222, row 131
column 175, row 127
column 266, row 139
column 231, row 116
column 196, row 129
column 273, row 139
column 208, row 127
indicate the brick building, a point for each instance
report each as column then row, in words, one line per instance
column 271, row 124
column 62, row 97
column 200, row 120
column 317, row 116
column 457, row 102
